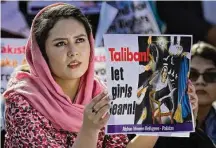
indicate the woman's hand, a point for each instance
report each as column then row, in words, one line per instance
column 193, row 98
column 95, row 117
column 96, row 113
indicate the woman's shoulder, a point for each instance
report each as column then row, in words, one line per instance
column 16, row 99
column 17, row 106
column 25, row 123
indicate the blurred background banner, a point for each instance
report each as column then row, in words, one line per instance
column 126, row 17
column 12, row 55
column 13, row 22
column 107, row 15
column 17, row 16
column 100, row 63
column 134, row 17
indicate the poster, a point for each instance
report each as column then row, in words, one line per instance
column 147, row 81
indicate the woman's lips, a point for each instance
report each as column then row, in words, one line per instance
column 74, row 65
column 201, row 92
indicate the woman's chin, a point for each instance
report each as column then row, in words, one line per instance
column 76, row 75
column 205, row 102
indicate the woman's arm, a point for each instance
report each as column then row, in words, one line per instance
column 95, row 117
column 86, row 138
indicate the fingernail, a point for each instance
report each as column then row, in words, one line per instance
column 190, row 90
column 105, row 92
column 189, row 81
column 110, row 97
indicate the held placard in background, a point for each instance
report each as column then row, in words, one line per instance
column 147, row 79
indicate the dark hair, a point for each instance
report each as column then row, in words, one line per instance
column 45, row 22
column 204, row 50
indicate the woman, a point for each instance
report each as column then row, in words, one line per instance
column 203, row 76
column 59, row 100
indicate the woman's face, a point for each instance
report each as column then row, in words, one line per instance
column 164, row 75
column 68, row 49
column 205, row 84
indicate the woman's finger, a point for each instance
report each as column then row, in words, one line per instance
column 101, row 113
column 104, row 101
column 193, row 97
column 90, row 113
column 96, row 99
column 193, row 100
column 105, row 119
column 191, row 87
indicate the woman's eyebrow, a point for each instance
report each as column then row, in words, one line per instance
column 80, row 35
column 77, row 36
column 193, row 69
column 57, row 39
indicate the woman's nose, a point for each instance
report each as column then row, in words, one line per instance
column 200, row 80
column 72, row 51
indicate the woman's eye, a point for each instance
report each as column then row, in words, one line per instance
column 80, row 40
column 59, row 44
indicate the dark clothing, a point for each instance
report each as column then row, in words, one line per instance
column 197, row 139
column 209, row 125
column 2, row 138
column 184, row 17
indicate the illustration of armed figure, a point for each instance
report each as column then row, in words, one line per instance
column 161, row 92
column 160, row 95
column 158, row 88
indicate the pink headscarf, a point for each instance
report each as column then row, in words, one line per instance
column 40, row 89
